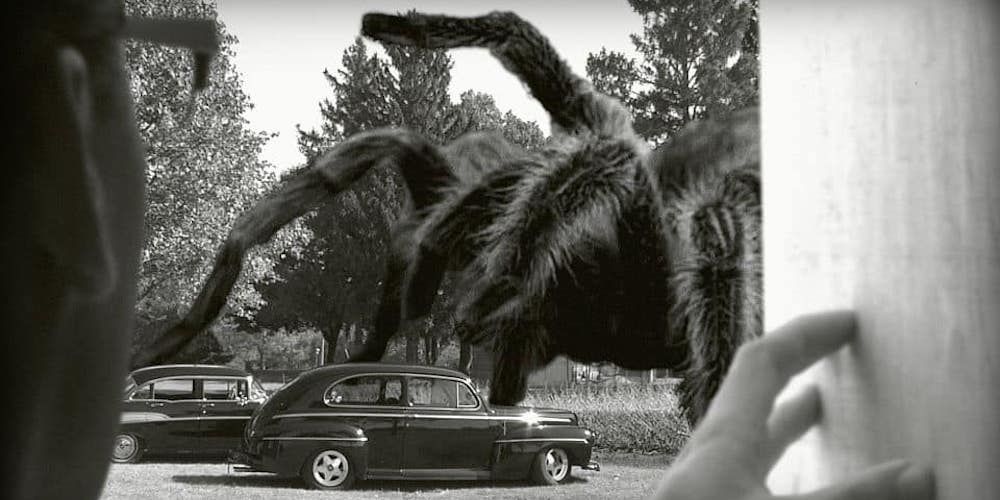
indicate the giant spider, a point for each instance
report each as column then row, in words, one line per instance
column 593, row 247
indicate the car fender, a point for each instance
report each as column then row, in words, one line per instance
column 515, row 451
column 288, row 449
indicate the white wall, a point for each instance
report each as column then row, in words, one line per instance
column 882, row 194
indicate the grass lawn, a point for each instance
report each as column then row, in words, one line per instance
column 622, row 476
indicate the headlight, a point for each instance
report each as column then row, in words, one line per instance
column 531, row 418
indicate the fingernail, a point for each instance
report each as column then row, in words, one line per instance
column 916, row 482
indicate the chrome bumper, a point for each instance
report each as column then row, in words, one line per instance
column 592, row 465
column 240, row 461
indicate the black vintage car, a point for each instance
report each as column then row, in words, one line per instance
column 341, row 423
column 185, row 409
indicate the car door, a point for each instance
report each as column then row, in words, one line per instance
column 165, row 413
column 372, row 402
column 225, row 411
column 449, row 432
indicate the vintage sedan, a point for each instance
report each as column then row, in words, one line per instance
column 185, row 409
column 341, row 423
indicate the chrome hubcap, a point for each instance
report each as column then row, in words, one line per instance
column 125, row 447
column 556, row 464
column 330, row 468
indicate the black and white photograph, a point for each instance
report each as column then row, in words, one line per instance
column 666, row 249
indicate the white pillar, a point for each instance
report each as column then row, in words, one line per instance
column 881, row 187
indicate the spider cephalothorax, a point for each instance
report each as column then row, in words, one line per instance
column 593, row 247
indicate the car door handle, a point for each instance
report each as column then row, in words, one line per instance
column 155, row 405
column 208, row 405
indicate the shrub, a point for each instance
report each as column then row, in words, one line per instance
column 636, row 418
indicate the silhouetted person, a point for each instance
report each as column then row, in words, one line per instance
column 73, row 219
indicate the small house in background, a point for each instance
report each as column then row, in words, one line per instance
column 563, row 372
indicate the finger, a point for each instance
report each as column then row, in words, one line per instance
column 762, row 367
column 790, row 420
column 897, row 480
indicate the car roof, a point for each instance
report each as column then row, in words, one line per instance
column 143, row 375
column 347, row 369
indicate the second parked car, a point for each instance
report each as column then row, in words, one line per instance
column 185, row 409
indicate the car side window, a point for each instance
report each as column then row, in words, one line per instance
column 432, row 392
column 174, row 389
column 224, row 389
column 367, row 390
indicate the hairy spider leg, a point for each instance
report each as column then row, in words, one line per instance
column 330, row 174
column 560, row 213
column 516, row 353
column 452, row 236
column 487, row 167
column 516, row 43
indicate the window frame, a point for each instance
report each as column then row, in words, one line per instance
column 238, row 380
column 199, row 391
column 405, row 376
column 457, row 407
column 388, row 376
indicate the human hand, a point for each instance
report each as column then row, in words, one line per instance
column 738, row 442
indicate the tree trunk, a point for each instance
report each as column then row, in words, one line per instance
column 260, row 354
column 465, row 357
column 431, row 350
column 412, row 348
column 331, row 334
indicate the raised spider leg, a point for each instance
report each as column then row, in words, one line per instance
column 515, row 42
column 329, row 174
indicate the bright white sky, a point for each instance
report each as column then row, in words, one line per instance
column 284, row 46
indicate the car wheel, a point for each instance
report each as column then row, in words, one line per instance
column 552, row 466
column 328, row 470
column 127, row 449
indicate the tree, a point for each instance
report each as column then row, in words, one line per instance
column 204, row 169
column 330, row 286
column 478, row 111
column 281, row 349
column 698, row 59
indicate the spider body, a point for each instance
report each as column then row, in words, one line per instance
column 594, row 247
